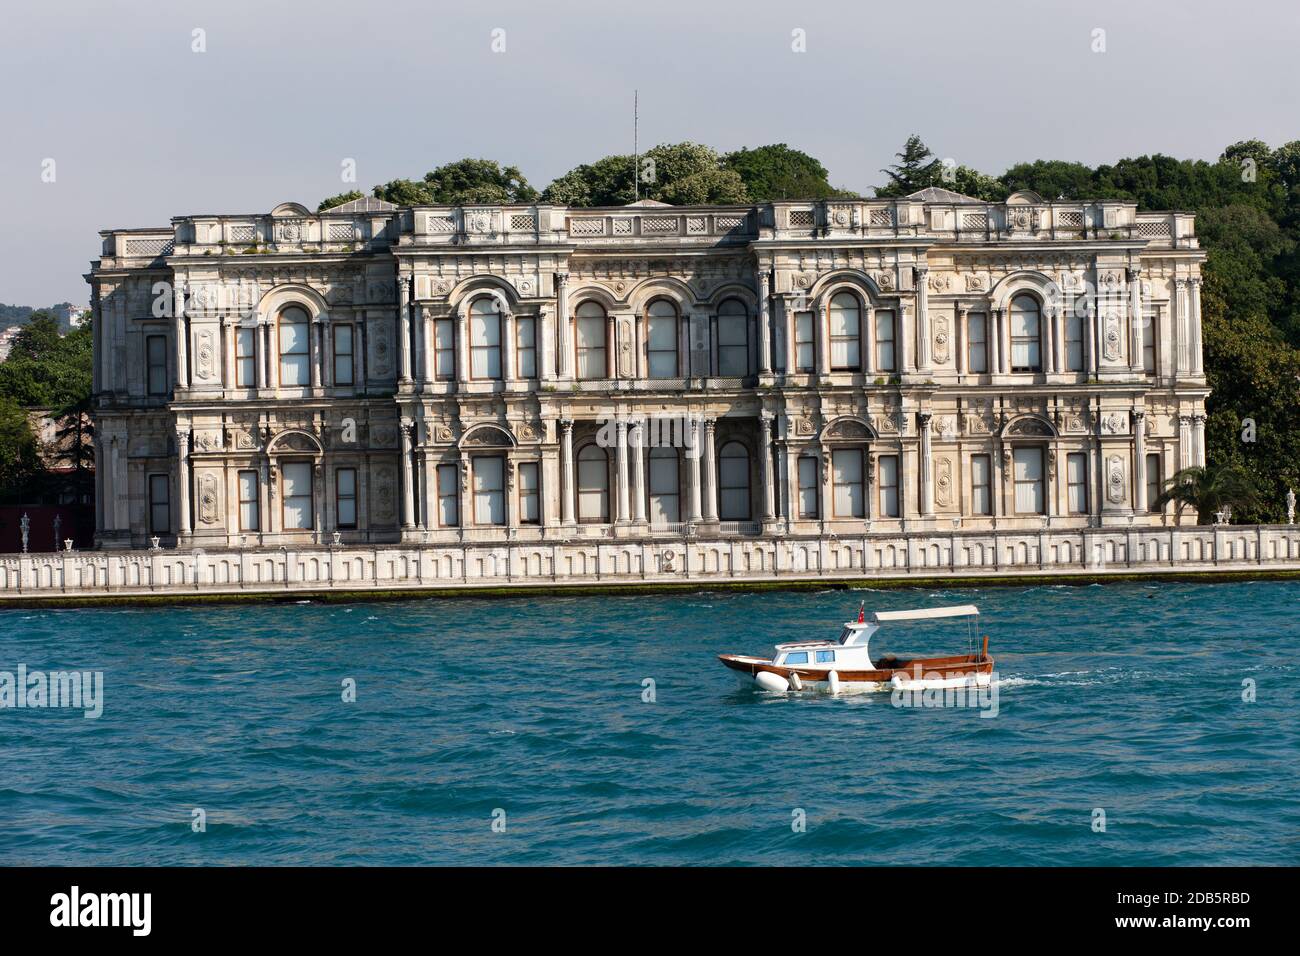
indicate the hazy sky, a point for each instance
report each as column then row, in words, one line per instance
column 142, row 129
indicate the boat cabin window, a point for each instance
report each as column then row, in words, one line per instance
column 797, row 657
column 845, row 635
column 825, row 657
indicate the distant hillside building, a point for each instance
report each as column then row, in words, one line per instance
column 485, row 373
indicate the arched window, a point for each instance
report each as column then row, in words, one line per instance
column 664, row 486
column 845, row 332
column 589, row 342
column 295, row 346
column 733, row 339
column 661, row 339
column 1026, row 329
column 485, row 338
column 733, row 482
column 593, row 485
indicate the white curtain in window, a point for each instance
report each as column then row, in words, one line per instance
column 661, row 340
column 845, row 331
column 846, row 471
column 1027, row 464
column 733, row 482
column 489, row 490
column 485, row 339
column 665, row 486
column 593, row 484
column 590, row 341
column 295, row 485
column 295, row 347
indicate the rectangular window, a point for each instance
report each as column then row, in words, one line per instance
column 1027, row 464
column 590, row 344
column 1025, row 340
column 1076, row 483
column 887, row 467
column 485, row 346
column 156, row 361
column 295, row 485
column 345, row 497
column 1148, row 331
column 342, row 354
column 444, row 350
column 661, row 346
column 246, row 358
column 1153, row 482
column 796, row 657
column 981, row 485
column 807, row 486
column 845, row 347
column 525, row 347
column 449, row 496
column 1073, row 341
column 530, row 499
column 250, row 507
column 664, row 486
column 489, row 490
column 295, row 352
column 886, row 361
column 805, row 359
column 733, row 345
column 977, row 342
column 846, row 479
column 825, row 657
column 160, row 504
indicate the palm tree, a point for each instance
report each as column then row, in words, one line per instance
column 1208, row 489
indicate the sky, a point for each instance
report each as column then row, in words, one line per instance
column 142, row 127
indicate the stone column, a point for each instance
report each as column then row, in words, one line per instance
column 787, row 315
column 903, row 346
column 562, row 324
column 1194, row 325
column 1185, row 450
column 428, row 333
column 765, row 464
column 1090, row 340
column 959, row 346
column 1137, row 318
column 462, row 344
column 265, row 365
column 182, row 350
column 921, row 277
column 315, row 344
column 183, row 480
column 1198, row 440
column 764, row 320
column 1140, row 459
column 1182, row 337
column 638, row 472
column 710, row 494
column 545, row 345
column 924, row 472
column 624, row 509
column 822, row 336
column 1004, row 339
column 404, row 330
column 408, row 476
column 100, row 482
column 569, row 499
column 693, row 468
column 508, row 371
column 228, row 359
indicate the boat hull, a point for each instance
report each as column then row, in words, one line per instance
column 915, row 673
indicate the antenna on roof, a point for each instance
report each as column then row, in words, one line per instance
column 636, row 158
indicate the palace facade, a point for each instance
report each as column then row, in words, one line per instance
column 375, row 374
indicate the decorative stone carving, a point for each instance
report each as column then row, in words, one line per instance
column 847, row 430
column 209, row 502
column 885, row 280
column 976, row 282
column 1115, row 479
column 1029, row 428
column 204, row 354
column 487, row 436
column 941, row 338
column 1114, row 423
column 943, row 482
column 1112, row 338
column 940, row 282
column 385, row 496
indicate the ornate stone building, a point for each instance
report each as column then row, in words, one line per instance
column 377, row 374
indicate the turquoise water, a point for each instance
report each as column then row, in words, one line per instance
column 1124, row 698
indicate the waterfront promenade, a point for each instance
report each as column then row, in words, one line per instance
column 683, row 560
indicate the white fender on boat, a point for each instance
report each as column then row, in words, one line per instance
column 833, row 682
column 795, row 682
column 774, row 683
column 897, row 681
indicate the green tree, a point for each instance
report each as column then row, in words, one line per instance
column 779, row 172
column 916, row 168
column 20, row 460
column 339, row 200
column 677, row 173
column 466, row 181
column 44, row 369
column 1208, row 490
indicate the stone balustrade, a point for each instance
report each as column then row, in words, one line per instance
column 685, row 559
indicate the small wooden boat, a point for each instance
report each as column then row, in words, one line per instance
column 846, row 664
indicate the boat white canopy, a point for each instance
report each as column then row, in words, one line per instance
column 926, row 614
